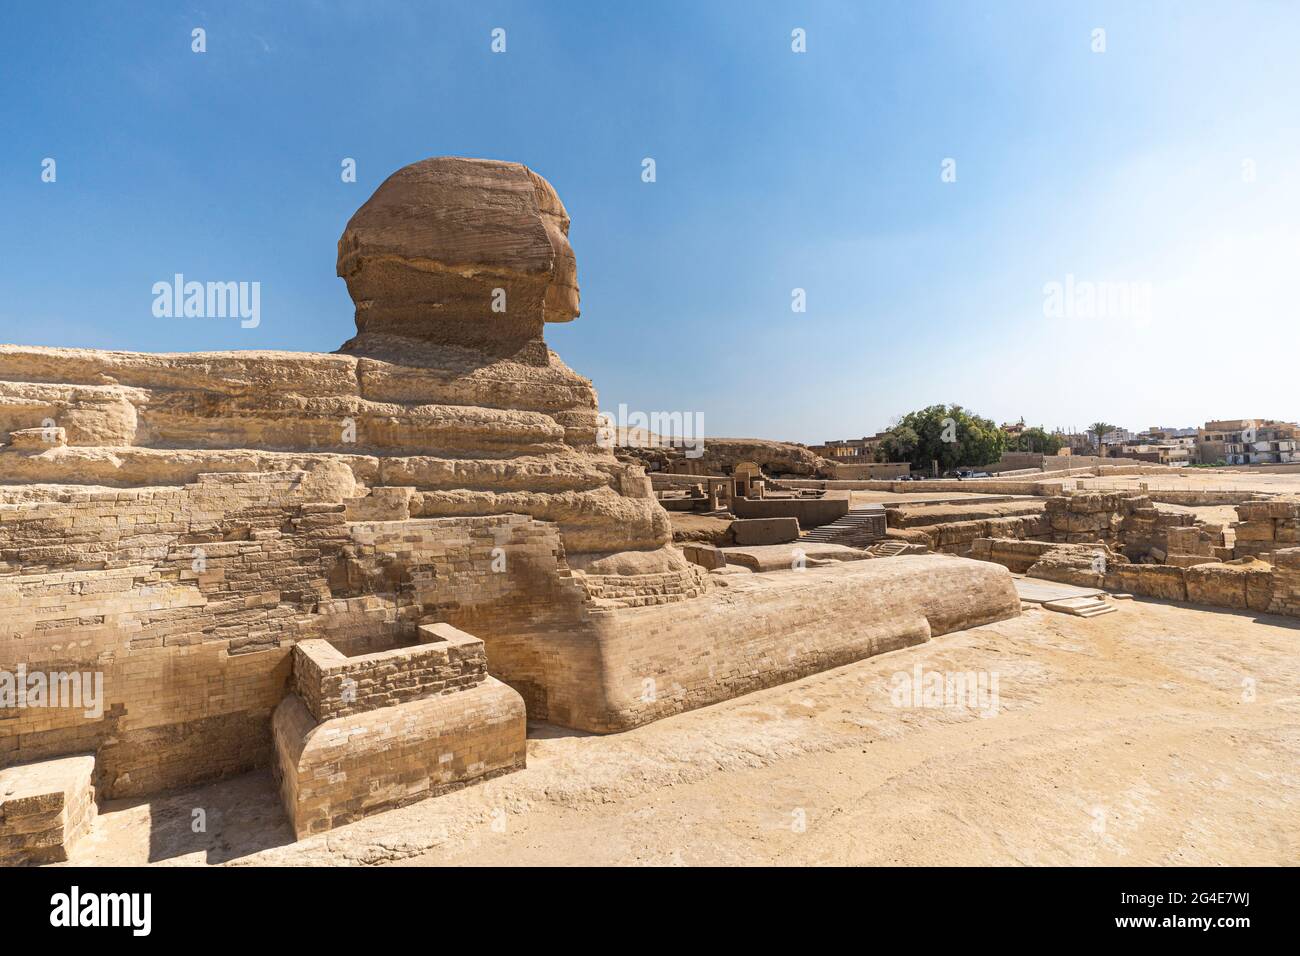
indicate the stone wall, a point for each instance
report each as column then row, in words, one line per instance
column 1265, row 527
column 844, row 470
column 1286, row 582
column 190, row 617
column 1012, row 553
column 811, row 512
column 1134, row 526
column 958, row 537
column 1242, row 583
column 334, row 685
column 954, row 528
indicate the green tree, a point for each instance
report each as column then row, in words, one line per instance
column 1099, row 429
column 947, row 434
column 899, row 444
column 1035, row 439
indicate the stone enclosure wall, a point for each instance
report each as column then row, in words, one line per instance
column 1241, row 584
column 188, row 603
column 334, row 685
column 1267, row 526
column 364, row 734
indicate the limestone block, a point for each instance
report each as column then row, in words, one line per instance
column 1152, row 580
column 340, row 770
column 1255, row 530
column 770, row 628
column 705, row 555
column 38, row 439
column 45, row 808
column 747, row 531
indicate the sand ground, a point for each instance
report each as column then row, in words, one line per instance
column 1160, row 734
column 1187, row 479
column 859, row 498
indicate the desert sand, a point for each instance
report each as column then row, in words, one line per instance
column 1160, row 734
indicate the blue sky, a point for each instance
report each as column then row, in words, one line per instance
column 1169, row 162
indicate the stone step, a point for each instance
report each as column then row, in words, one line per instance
column 888, row 549
column 846, row 526
column 1081, row 606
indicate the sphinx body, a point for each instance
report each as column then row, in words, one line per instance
column 179, row 522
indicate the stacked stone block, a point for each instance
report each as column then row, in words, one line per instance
column 45, row 808
column 959, row 537
column 1082, row 518
column 415, row 722
column 1286, row 582
column 334, row 685
column 191, row 614
column 1267, row 526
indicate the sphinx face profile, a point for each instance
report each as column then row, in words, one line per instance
column 467, row 252
column 561, row 301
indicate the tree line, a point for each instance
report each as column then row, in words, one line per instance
column 958, row 438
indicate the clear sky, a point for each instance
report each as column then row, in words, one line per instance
column 1170, row 163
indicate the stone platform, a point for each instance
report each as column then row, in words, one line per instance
column 761, row 630
column 380, row 730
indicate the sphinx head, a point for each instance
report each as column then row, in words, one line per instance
column 467, row 252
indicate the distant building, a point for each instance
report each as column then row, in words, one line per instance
column 1176, row 454
column 1248, row 441
column 859, row 449
column 1169, row 433
column 1077, row 443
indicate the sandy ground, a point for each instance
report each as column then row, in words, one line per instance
column 1214, row 514
column 1156, row 735
column 859, row 498
column 1193, row 478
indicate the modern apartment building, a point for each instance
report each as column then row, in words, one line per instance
column 1248, row 441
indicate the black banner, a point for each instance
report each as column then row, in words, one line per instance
column 337, row 905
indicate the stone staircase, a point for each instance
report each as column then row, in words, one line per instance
column 1091, row 606
column 858, row 528
column 888, row 549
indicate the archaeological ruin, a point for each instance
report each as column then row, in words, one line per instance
column 367, row 569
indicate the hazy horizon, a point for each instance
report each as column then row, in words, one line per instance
column 1154, row 177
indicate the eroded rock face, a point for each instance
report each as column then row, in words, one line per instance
column 469, row 252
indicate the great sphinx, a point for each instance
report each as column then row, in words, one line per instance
column 180, row 521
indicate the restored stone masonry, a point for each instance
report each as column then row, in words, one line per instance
column 383, row 729
column 331, row 684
